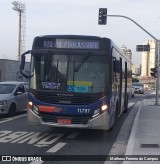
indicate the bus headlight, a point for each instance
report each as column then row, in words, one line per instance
column 104, row 108
column 32, row 107
column 100, row 111
column 29, row 105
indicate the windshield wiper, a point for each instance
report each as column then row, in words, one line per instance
column 82, row 62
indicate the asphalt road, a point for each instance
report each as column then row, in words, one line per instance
column 18, row 138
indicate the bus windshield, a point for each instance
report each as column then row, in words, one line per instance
column 78, row 73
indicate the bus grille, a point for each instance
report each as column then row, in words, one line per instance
column 70, row 99
column 74, row 120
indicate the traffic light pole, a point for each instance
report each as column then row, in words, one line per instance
column 157, row 81
column 158, row 43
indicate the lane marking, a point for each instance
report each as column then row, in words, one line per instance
column 13, row 118
column 56, row 147
column 41, row 145
column 20, row 138
column 131, row 140
column 130, row 104
column 73, row 135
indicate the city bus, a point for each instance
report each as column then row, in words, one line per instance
column 77, row 82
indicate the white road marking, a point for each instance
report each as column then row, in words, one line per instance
column 40, row 145
column 56, row 147
column 73, row 135
column 13, row 118
column 12, row 136
column 50, row 139
column 20, row 138
column 34, row 138
column 130, row 104
column 3, row 133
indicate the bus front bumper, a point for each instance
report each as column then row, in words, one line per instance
column 100, row 122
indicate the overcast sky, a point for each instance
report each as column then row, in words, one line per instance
column 52, row 17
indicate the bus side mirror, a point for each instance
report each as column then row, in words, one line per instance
column 116, row 66
column 22, row 65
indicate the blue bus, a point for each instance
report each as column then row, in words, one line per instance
column 77, row 82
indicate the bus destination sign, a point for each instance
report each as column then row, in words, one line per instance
column 71, row 44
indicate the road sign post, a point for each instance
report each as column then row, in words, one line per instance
column 141, row 48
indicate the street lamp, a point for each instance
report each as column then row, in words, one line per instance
column 19, row 7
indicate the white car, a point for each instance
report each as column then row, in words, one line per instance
column 139, row 88
column 13, row 97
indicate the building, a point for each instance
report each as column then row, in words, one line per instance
column 9, row 69
column 128, row 52
column 148, row 59
column 135, row 69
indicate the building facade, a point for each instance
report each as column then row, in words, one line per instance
column 128, row 52
column 135, row 69
column 148, row 59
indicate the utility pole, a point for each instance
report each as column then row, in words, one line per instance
column 158, row 43
column 158, row 54
column 20, row 8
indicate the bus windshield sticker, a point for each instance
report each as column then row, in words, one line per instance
column 80, row 89
column 50, row 85
column 80, row 83
column 71, row 88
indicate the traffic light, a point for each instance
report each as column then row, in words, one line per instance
column 102, row 19
column 154, row 72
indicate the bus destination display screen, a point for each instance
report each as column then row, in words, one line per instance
column 67, row 43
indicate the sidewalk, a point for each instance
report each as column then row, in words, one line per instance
column 145, row 135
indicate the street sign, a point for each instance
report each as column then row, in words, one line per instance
column 140, row 48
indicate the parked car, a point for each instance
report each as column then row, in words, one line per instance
column 139, row 87
column 13, row 97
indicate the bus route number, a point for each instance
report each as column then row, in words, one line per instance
column 81, row 110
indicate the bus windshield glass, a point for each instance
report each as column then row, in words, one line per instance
column 78, row 73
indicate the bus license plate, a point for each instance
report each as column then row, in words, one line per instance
column 63, row 121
